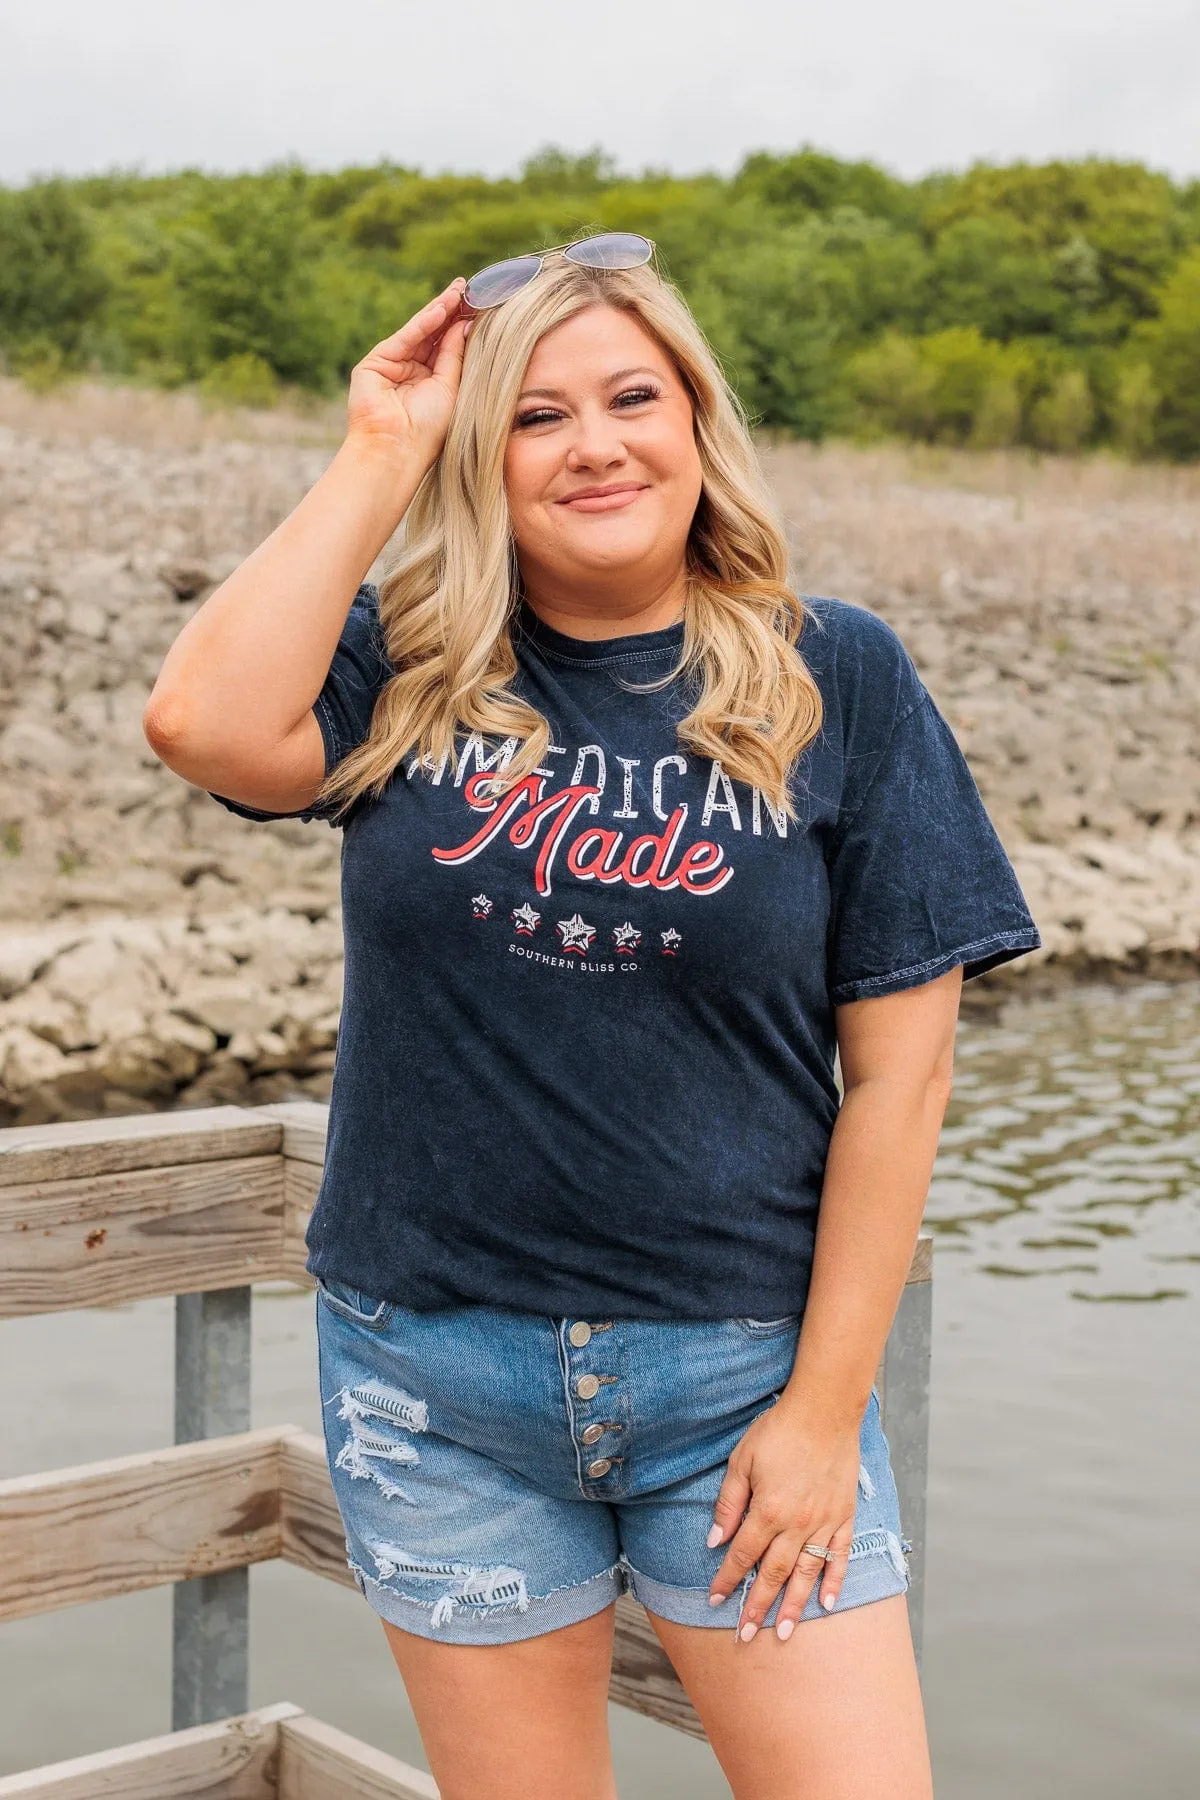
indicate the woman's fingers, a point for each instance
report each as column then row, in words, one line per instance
column 415, row 341
column 448, row 361
column 780, row 1560
column 749, row 1542
column 731, row 1504
column 808, row 1567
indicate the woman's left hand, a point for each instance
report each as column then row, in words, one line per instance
column 789, row 1482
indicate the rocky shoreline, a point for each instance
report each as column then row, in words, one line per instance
column 157, row 951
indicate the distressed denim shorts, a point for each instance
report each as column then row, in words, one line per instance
column 500, row 1474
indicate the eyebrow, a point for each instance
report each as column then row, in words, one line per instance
column 609, row 381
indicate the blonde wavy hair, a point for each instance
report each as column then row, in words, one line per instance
column 446, row 607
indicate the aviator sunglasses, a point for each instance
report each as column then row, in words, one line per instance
column 610, row 250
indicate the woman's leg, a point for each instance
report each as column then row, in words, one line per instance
column 833, row 1713
column 523, row 1721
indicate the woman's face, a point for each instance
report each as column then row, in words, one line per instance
column 602, row 471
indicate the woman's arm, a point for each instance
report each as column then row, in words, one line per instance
column 793, row 1477
column 231, row 709
column 897, row 1058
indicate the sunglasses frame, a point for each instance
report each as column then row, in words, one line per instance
column 556, row 250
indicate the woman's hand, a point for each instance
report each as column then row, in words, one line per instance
column 789, row 1483
column 403, row 391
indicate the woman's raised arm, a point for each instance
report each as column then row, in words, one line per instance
column 231, row 710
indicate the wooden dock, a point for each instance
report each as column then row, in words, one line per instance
column 202, row 1204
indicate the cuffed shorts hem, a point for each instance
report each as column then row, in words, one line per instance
column 876, row 1570
column 455, row 1622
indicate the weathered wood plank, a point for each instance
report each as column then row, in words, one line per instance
column 304, row 1122
column 138, row 1521
column 234, row 1759
column 921, row 1266
column 300, row 1183
column 178, row 1229
column 310, row 1527
column 317, row 1762
column 76, row 1148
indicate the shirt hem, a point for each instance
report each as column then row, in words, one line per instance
column 985, row 953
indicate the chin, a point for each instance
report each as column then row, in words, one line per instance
column 610, row 549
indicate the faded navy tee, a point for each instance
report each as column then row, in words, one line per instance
column 586, row 1056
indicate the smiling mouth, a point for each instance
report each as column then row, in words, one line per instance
column 603, row 499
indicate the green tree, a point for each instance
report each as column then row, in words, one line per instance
column 1063, row 417
column 1172, row 345
column 893, row 387
column 51, row 285
column 769, row 317
column 812, row 182
column 997, row 421
column 383, row 213
column 1134, row 409
column 984, row 273
column 245, row 267
column 1127, row 214
column 875, row 277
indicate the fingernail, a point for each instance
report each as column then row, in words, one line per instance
column 785, row 1628
column 747, row 1632
column 829, row 1601
column 716, row 1599
column 714, row 1537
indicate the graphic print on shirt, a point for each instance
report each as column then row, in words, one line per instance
column 595, row 828
column 552, row 822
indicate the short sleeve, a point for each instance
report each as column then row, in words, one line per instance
column 359, row 671
column 919, row 880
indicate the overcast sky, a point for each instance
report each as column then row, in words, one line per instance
column 686, row 84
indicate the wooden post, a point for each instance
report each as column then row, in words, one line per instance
column 210, row 1631
column 905, row 1411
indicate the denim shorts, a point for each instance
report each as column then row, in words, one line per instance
column 500, row 1474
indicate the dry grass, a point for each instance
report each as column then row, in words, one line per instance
column 1030, row 531
column 82, row 412
column 886, row 521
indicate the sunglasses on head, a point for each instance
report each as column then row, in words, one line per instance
column 610, row 250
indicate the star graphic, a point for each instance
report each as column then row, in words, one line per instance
column 669, row 940
column 626, row 937
column 575, row 934
column 526, row 920
column 481, row 906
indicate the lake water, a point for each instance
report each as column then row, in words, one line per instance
column 1062, row 1643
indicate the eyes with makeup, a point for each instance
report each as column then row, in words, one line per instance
column 636, row 398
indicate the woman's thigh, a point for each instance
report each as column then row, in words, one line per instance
column 520, row 1721
column 456, row 1478
column 833, row 1713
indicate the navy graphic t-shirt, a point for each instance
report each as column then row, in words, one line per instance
column 586, row 1057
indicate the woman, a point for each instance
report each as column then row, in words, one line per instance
column 634, row 842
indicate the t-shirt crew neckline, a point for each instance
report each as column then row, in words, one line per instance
column 639, row 645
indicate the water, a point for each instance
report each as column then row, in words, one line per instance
column 1061, row 1630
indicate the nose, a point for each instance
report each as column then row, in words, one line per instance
column 597, row 443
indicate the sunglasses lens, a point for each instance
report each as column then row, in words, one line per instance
column 500, row 281
column 614, row 250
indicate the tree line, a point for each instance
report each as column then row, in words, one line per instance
column 1055, row 305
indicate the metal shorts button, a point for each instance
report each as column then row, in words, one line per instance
column 587, row 1387
column 579, row 1334
column 592, row 1432
column 600, row 1467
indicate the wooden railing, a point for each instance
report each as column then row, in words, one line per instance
column 201, row 1204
